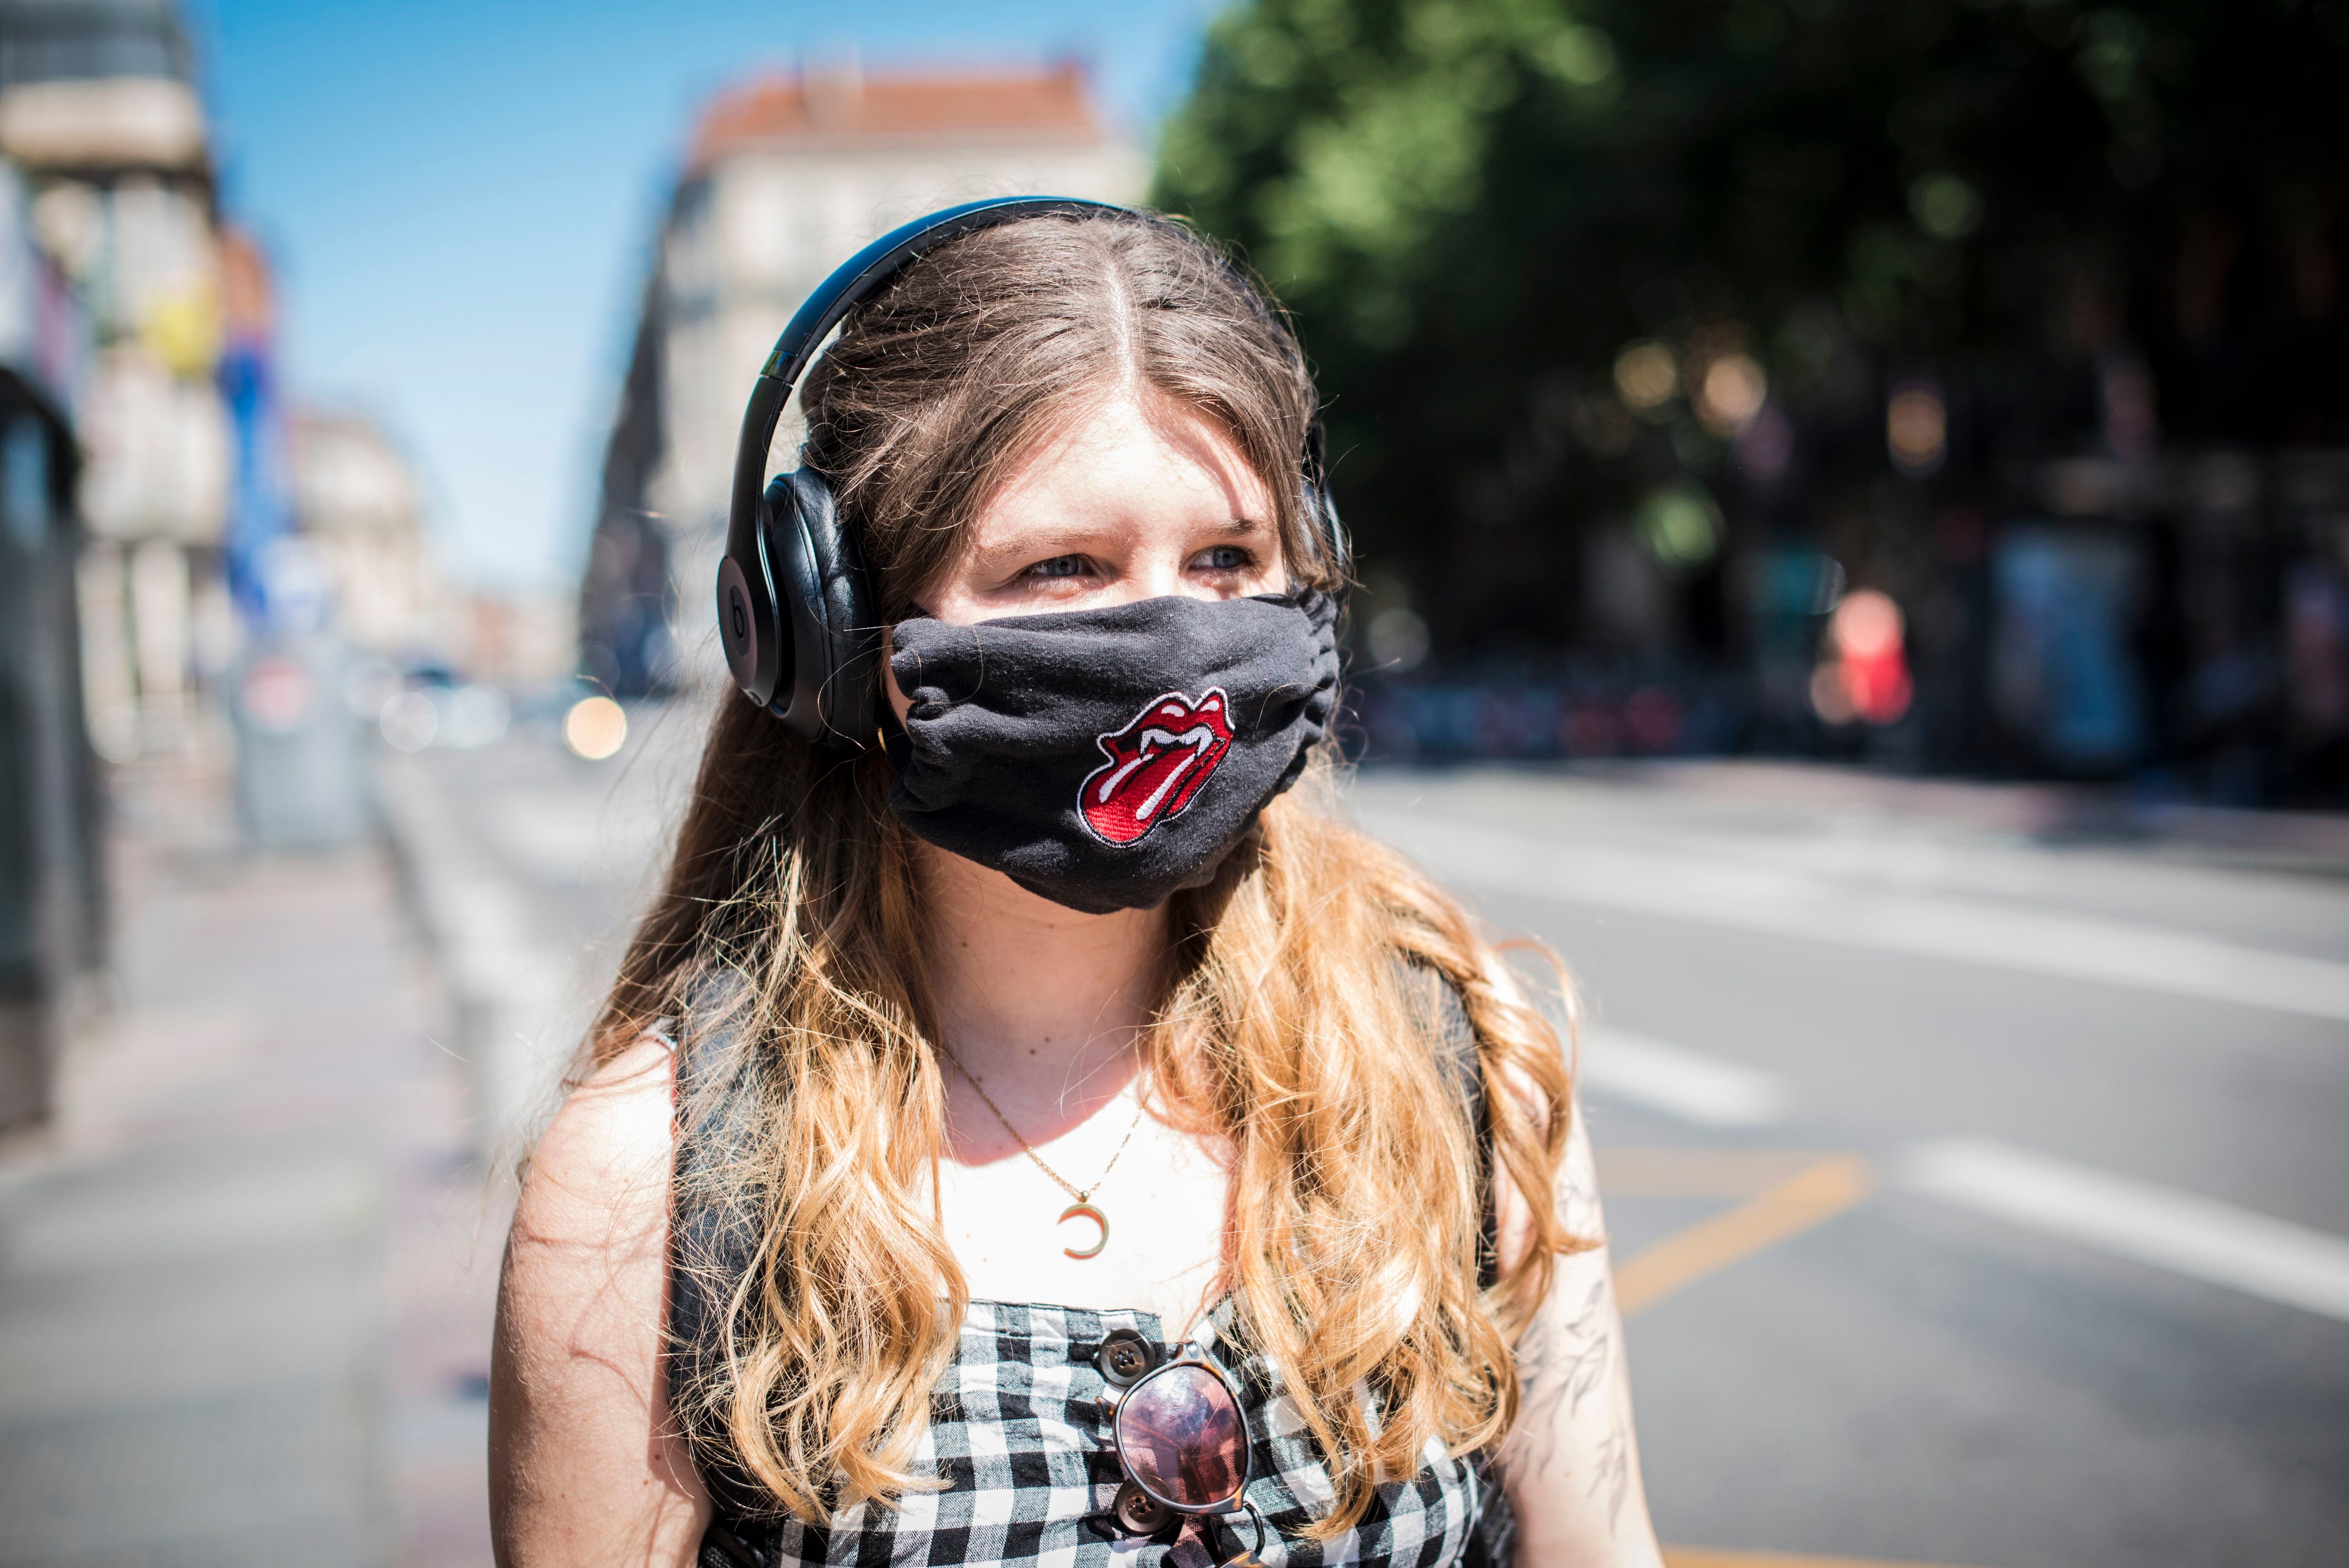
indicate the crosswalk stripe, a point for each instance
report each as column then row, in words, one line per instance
column 2188, row 1234
column 2199, row 1237
column 1784, row 903
column 1687, row 1085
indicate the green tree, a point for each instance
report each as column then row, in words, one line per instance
column 1475, row 206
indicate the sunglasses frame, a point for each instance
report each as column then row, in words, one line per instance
column 1124, row 1345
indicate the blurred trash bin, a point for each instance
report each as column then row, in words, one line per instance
column 301, row 778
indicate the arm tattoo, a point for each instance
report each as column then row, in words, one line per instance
column 1565, row 1358
column 1560, row 1365
column 1587, row 1331
column 1614, row 1476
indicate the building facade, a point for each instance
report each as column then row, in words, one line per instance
column 357, row 502
column 52, row 886
column 786, row 178
column 98, row 107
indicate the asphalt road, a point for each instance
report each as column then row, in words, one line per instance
column 1976, row 1362
column 1978, row 1189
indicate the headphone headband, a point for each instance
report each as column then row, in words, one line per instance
column 855, row 281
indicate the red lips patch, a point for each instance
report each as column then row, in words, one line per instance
column 1156, row 763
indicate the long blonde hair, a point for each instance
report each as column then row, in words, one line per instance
column 790, row 939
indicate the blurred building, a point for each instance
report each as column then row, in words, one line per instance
column 52, row 888
column 787, row 177
column 98, row 103
column 522, row 640
column 356, row 501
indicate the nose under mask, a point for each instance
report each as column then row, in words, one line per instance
column 1105, row 759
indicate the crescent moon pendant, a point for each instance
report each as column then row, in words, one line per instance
column 1098, row 1217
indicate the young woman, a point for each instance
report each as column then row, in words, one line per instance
column 1054, row 1135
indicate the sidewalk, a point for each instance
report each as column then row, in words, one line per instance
column 246, row 1274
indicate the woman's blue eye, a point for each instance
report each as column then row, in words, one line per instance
column 1059, row 566
column 1224, row 558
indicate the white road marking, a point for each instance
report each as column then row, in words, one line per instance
column 2199, row 1237
column 1683, row 1084
column 1785, row 904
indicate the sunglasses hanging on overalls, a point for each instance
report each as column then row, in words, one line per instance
column 1181, row 1438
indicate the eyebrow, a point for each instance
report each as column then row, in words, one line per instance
column 1066, row 545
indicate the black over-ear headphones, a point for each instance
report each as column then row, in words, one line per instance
column 795, row 607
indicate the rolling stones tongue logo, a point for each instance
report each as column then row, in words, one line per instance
column 1155, row 765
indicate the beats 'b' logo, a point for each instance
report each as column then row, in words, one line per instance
column 1155, row 765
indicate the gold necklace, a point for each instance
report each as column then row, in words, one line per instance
column 1083, row 1204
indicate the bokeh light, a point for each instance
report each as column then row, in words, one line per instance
column 1646, row 376
column 1865, row 671
column 1582, row 55
column 409, row 721
column 1916, row 427
column 1866, row 625
column 1680, row 525
column 595, row 728
column 1732, row 393
column 1945, row 206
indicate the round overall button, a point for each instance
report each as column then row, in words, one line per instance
column 1126, row 1356
column 1138, row 1513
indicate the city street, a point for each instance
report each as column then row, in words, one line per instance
column 2042, row 1066
column 1847, row 525
column 1973, row 1167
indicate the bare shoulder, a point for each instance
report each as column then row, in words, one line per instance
column 607, row 1151
column 584, row 1465
column 625, row 1104
column 592, row 1218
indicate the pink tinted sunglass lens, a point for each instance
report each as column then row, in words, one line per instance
column 1181, row 1436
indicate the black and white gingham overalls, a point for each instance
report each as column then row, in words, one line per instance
column 1019, row 1433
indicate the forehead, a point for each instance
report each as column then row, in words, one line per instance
column 1125, row 463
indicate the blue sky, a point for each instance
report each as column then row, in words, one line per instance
column 459, row 198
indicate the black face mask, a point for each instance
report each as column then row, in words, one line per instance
column 1105, row 757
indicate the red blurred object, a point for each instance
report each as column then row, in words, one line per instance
column 1871, row 656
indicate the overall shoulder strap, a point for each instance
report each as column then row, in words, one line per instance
column 1442, row 1017
column 714, row 1220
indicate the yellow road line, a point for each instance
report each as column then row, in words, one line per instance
column 1815, row 1194
column 1707, row 1557
column 1818, row 1188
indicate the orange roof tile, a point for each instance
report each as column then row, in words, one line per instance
column 816, row 108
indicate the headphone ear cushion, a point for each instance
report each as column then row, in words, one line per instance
column 835, row 636
column 749, row 624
